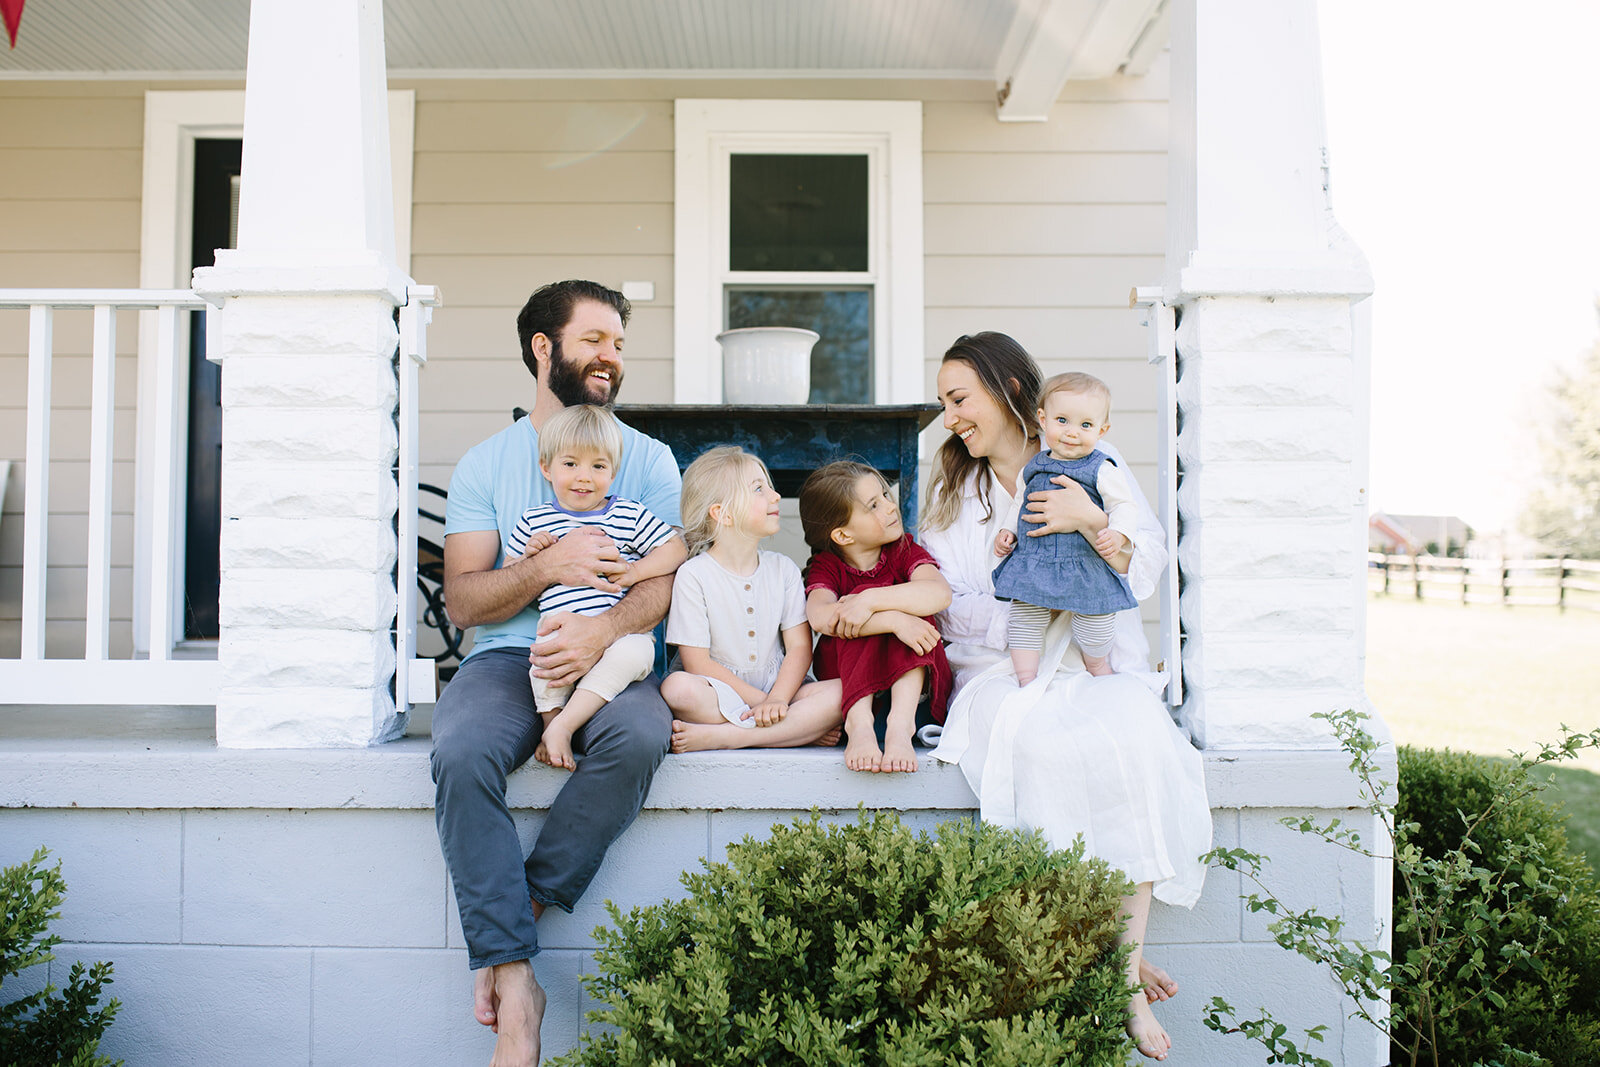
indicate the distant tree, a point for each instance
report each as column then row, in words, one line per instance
column 1563, row 513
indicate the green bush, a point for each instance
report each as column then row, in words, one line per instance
column 45, row 1028
column 867, row 945
column 1538, row 916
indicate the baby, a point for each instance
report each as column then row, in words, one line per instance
column 579, row 449
column 1063, row 571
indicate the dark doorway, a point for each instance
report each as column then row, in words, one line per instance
column 215, row 225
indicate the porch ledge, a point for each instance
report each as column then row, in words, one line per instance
column 166, row 758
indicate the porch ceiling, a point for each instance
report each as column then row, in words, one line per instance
column 980, row 39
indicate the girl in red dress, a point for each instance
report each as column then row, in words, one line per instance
column 870, row 592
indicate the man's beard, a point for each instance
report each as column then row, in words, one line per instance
column 570, row 383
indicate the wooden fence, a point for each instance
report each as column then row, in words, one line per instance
column 1558, row 583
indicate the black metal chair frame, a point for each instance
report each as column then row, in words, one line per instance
column 430, row 581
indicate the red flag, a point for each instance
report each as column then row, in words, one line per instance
column 11, row 10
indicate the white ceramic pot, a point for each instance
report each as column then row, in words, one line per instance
column 766, row 365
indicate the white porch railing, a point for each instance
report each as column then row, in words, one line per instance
column 96, row 678
column 159, row 678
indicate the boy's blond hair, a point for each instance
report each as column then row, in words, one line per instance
column 580, row 428
column 1076, row 382
column 717, row 476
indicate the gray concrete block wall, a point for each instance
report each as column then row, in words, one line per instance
column 330, row 936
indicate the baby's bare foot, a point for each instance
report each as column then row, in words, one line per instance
column 555, row 749
column 1099, row 666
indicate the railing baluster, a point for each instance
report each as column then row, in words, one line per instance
column 163, row 482
column 414, row 679
column 102, row 412
column 36, row 501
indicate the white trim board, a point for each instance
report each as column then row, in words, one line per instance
column 706, row 132
column 173, row 121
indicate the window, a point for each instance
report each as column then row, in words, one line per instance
column 801, row 213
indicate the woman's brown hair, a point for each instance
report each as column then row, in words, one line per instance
column 1011, row 378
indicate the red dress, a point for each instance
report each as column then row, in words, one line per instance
column 870, row 664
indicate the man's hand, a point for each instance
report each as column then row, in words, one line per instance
column 768, row 712
column 919, row 635
column 586, row 556
column 1109, row 543
column 1004, row 542
column 569, row 645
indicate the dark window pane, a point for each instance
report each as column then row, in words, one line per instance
column 841, row 362
column 797, row 213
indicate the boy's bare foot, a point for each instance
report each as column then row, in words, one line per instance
column 898, row 754
column 508, row 999
column 555, row 748
column 1149, row 1035
column 1099, row 666
column 1158, row 984
column 861, row 752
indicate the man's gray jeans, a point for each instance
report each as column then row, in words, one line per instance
column 485, row 727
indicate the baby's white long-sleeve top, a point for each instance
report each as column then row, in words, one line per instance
column 1116, row 495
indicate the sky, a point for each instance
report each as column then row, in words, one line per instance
column 1465, row 163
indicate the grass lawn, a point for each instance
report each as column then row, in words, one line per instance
column 1491, row 680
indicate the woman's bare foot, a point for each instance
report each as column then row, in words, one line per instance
column 555, row 748
column 1149, row 1035
column 508, row 999
column 1158, row 984
column 898, row 754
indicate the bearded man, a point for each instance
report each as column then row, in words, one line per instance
column 485, row 725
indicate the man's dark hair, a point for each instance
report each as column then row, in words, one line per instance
column 549, row 310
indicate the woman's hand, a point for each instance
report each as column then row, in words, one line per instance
column 1064, row 510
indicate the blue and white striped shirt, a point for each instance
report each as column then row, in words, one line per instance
column 628, row 523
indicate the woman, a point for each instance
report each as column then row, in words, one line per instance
column 1068, row 754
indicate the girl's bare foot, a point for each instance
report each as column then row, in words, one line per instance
column 831, row 738
column 1149, row 1035
column 701, row 737
column 1158, row 984
column 898, row 754
column 862, row 753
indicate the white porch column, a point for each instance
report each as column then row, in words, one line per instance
column 306, row 339
column 1272, row 387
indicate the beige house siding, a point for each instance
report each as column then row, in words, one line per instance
column 1037, row 229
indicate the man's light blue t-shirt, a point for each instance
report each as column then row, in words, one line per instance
column 498, row 479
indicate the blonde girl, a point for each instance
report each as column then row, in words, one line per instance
column 869, row 591
column 739, row 620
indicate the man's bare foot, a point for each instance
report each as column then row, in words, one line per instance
column 555, row 748
column 1158, row 984
column 898, row 754
column 509, row 999
column 862, row 753
column 1098, row 666
column 1149, row 1035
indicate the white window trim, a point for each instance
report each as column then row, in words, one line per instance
column 173, row 121
column 706, row 132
